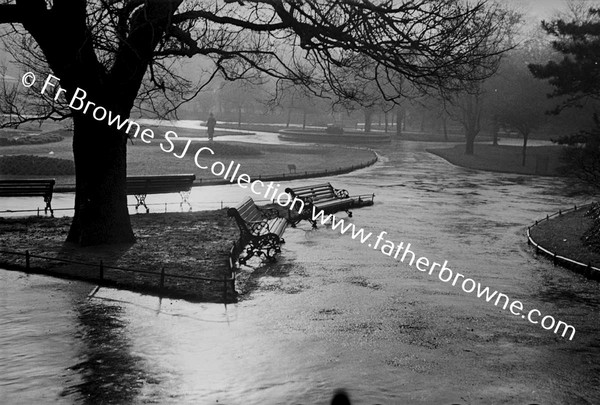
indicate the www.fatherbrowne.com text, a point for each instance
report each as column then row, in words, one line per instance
column 404, row 253
column 400, row 251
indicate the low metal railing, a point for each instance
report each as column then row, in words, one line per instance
column 102, row 279
column 586, row 269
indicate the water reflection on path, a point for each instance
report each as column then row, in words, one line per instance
column 332, row 312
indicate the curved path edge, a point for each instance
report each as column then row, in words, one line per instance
column 586, row 269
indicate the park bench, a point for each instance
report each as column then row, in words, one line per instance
column 261, row 229
column 141, row 186
column 326, row 198
column 29, row 188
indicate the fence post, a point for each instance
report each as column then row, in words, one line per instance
column 38, row 211
column 221, row 204
column 27, row 259
column 537, row 249
column 162, row 278
column 554, row 259
column 165, row 207
column 101, row 270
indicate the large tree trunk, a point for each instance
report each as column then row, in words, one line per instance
column 471, row 115
column 471, row 134
column 525, row 137
column 368, row 120
column 386, row 122
column 101, row 214
column 470, row 145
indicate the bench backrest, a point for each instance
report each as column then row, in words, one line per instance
column 316, row 192
column 247, row 211
column 160, row 184
column 26, row 188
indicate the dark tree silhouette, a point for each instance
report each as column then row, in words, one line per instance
column 518, row 100
column 576, row 83
column 120, row 52
column 576, row 77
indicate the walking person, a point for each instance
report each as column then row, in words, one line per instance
column 210, row 124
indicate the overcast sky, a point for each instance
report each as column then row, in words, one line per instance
column 545, row 9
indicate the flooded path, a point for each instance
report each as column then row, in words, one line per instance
column 332, row 313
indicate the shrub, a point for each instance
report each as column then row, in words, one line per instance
column 31, row 139
column 334, row 129
column 36, row 165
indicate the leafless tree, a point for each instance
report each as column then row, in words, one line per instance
column 121, row 52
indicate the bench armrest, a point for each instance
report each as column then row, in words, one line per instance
column 256, row 226
column 341, row 193
column 269, row 213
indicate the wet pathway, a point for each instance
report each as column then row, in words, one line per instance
column 332, row 312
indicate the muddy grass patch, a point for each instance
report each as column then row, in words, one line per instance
column 187, row 245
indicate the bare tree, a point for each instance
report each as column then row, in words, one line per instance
column 519, row 99
column 468, row 103
column 121, row 53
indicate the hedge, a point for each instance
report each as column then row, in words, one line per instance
column 36, row 165
column 31, row 139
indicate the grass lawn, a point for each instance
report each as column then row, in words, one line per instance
column 255, row 159
column 562, row 234
column 541, row 160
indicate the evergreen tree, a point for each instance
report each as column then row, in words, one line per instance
column 576, row 83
